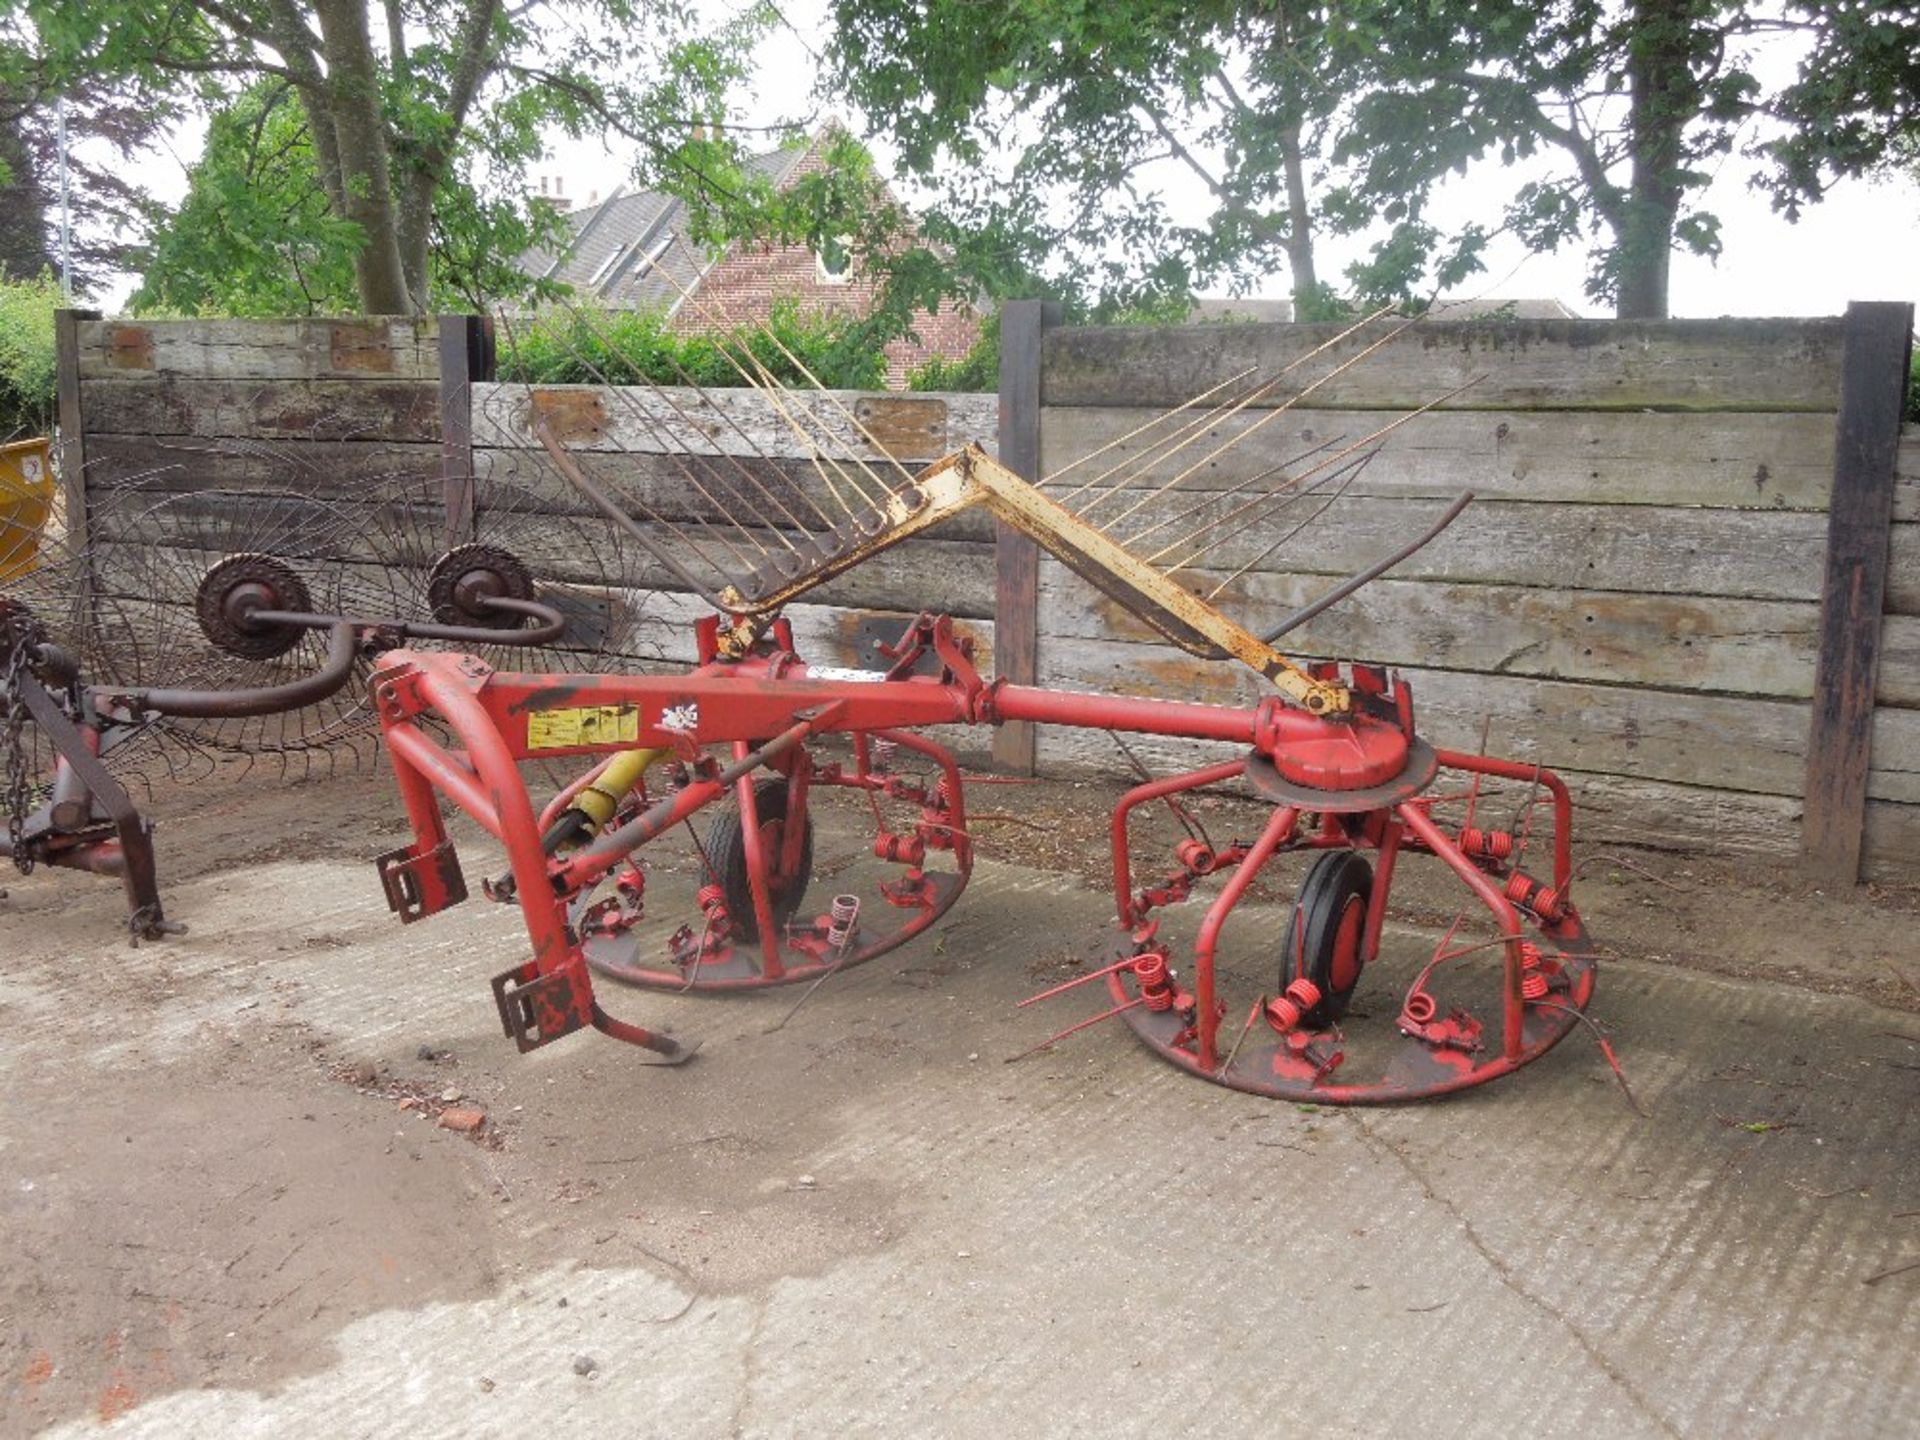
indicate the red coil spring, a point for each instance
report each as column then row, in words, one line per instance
column 1285, row 1011
column 1194, row 855
column 1543, row 900
column 1533, row 982
column 1156, row 989
column 1486, row 844
column 712, row 898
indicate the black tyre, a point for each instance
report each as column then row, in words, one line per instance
column 727, row 851
column 1325, row 939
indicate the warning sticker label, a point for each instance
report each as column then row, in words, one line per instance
column 582, row 725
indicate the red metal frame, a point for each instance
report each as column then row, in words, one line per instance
column 728, row 707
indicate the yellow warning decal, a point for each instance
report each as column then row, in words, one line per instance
column 582, row 725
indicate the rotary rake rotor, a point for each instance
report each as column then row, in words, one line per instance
column 1349, row 790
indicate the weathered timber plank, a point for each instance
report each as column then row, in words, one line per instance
column 1900, row 662
column 70, row 416
column 1641, row 548
column 1745, row 461
column 1903, row 570
column 1873, row 387
column 1531, row 365
column 649, row 420
column 406, row 410
column 1906, row 481
column 686, row 488
column 1723, row 742
column 1891, row 854
column 922, row 574
column 379, row 347
column 459, row 342
column 1748, row 647
column 183, row 463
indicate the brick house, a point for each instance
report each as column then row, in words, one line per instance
column 630, row 251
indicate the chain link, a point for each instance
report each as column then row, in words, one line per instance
column 19, row 636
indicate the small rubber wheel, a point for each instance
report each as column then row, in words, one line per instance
column 727, row 851
column 1328, row 928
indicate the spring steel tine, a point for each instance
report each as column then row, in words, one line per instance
column 1360, row 444
column 1288, row 404
column 572, row 473
column 667, row 397
column 1077, row 981
column 1141, row 429
column 1342, row 480
column 771, row 386
column 1241, row 1039
column 673, row 449
column 1371, row 573
column 1243, row 486
column 1075, row 1029
column 814, row 380
column 1288, row 369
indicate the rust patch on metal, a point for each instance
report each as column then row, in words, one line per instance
column 362, row 348
column 129, row 347
column 905, row 428
column 569, row 415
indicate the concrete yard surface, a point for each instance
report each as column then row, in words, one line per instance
column 230, row 1208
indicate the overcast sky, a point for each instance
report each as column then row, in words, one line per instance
column 1857, row 245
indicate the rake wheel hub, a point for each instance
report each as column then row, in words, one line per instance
column 465, row 578
column 235, row 590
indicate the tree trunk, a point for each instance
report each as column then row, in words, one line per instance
column 1663, row 96
column 360, row 136
column 1306, row 279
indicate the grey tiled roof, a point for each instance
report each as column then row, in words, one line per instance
column 630, row 251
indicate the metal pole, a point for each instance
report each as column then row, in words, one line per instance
column 66, row 213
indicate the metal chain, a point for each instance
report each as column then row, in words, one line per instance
column 19, row 636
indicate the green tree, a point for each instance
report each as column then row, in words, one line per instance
column 1629, row 109
column 398, row 101
column 1241, row 97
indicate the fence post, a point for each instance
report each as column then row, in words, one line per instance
column 466, row 355
column 71, row 423
column 1873, row 384
column 1016, row 559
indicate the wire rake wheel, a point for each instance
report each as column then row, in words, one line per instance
column 899, row 895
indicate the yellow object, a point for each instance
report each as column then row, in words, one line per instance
column 26, row 500
column 564, row 728
column 599, row 800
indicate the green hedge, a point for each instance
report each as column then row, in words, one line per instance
column 628, row 347
column 28, row 365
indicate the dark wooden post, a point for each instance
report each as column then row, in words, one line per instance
column 71, row 422
column 466, row 355
column 1016, row 559
column 1873, row 386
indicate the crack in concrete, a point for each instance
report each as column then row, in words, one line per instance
column 749, row 1368
column 1505, row 1274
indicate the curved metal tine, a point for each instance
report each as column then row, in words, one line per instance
column 1137, row 431
column 1337, row 471
column 1161, row 450
column 769, row 385
column 673, row 450
column 1218, row 497
column 1370, row 574
column 1345, row 478
column 614, row 512
column 732, row 424
column 833, row 400
column 1268, row 384
column 1279, row 410
column 1361, row 443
